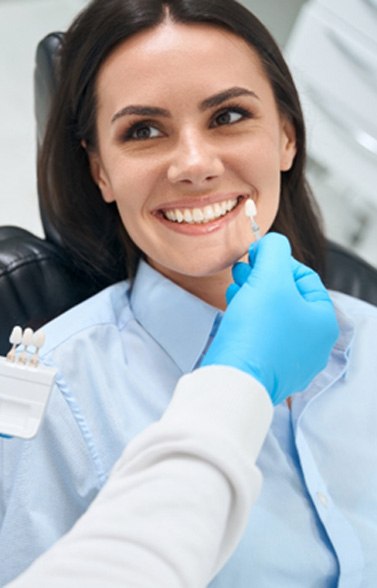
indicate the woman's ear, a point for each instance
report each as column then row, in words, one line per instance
column 98, row 173
column 288, row 148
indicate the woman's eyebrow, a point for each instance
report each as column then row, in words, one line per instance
column 221, row 97
column 140, row 110
column 216, row 100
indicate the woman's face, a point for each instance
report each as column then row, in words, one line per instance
column 188, row 129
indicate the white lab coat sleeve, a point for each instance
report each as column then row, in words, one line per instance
column 177, row 501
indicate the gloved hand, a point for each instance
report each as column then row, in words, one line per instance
column 280, row 324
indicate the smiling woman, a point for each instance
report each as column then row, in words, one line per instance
column 136, row 96
column 172, row 155
column 171, row 118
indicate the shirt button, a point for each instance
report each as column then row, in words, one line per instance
column 323, row 499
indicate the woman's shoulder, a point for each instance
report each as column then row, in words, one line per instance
column 109, row 307
column 355, row 308
column 358, row 328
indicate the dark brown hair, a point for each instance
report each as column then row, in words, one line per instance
column 90, row 229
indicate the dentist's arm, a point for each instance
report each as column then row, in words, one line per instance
column 177, row 501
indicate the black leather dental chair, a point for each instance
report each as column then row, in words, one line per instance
column 37, row 280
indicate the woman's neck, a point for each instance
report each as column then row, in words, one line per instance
column 210, row 289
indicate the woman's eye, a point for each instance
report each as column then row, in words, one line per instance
column 228, row 117
column 142, row 131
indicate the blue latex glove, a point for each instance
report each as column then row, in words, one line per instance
column 280, row 324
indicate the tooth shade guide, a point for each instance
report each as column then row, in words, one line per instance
column 14, row 339
column 250, row 212
column 26, row 341
column 27, row 337
column 256, row 230
column 37, row 340
column 25, row 386
column 16, row 336
column 250, row 208
column 25, row 346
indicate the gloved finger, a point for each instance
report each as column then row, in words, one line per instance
column 312, row 289
column 308, row 283
column 272, row 258
column 231, row 292
column 240, row 272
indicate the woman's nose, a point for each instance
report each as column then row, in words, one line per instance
column 195, row 160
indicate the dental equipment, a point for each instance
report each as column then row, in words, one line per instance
column 251, row 212
column 25, row 386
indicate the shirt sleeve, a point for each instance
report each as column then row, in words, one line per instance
column 177, row 501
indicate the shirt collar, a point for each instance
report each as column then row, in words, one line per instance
column 181, row 323
column 346, row 328
column 184, row 325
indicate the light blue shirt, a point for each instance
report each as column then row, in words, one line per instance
column 119, row 356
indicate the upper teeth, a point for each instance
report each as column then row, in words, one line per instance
column 201, row 215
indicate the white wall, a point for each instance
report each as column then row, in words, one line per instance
column 278, row 15
column 22, row 24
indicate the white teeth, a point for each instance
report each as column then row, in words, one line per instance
column 201, row 215
column 198, row 215
column 187, row 217
column 209, row 213
column 179, row 216
column 169, row 215
column 218, row 210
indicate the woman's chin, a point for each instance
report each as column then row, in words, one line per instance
column 198, row 268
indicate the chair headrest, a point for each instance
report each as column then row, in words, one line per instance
column 45, row 83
